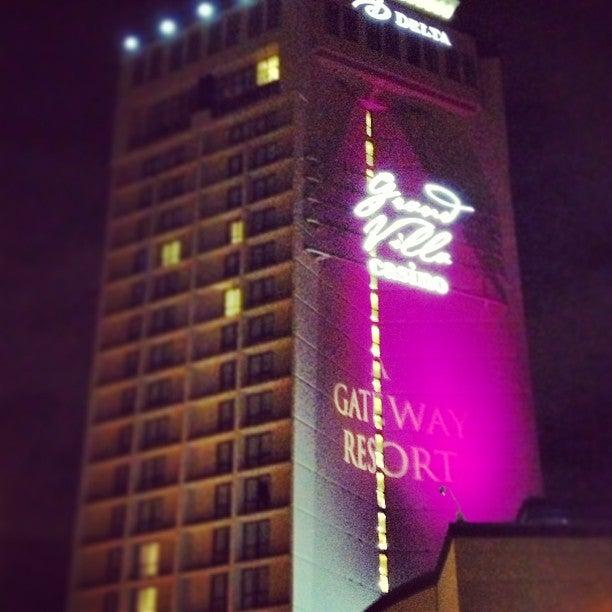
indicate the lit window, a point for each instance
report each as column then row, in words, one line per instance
column 236, row 232
column 268, row 70
column 233, row 302
column 149, row 560
column 171, row 253
column 147, row 600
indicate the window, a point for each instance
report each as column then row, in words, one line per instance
column 134, row 328
column 256, row 539
column 236, row 232
column 162, row 356
column 194, row 44
column 156, row 432
column 160, row 392
column 227, row 375
column 266, row 186
column 153, row 473
column 432, row 59
column 268, row 70
column 257, row 494
column 113, row 564
column 234, row 197
column 163, row 320
column 225, row 457
column 258, row 449
column 150, row 514
column 234, row 165
column 232, row 265
column 254, row 587
column 223, row 500
column 218, row 593
column 171, row 219
column 273, row 14
column 124, row 439
column 121, row 477
column 262, row 255
column 110, row 602
column 233, row 302
column 127, row 401
column 262, row 290
column 260, row 367
column 225, row 416
column 117, row 521
column 229, row 337
column 261, row 328
column 263, row 220
column 265, row 154
column 258, row 408
column 215, row 38
column 232, row 30
column 137, row 294
column 256, row 15
column 148, row 560
column 146, row 600
column 130, row 364
column 221, row 540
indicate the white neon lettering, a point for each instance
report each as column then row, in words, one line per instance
column 379, row 11
column 415, row 235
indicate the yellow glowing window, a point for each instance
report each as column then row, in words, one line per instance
column 147, row 600
column 149, row 560
column 268, row 70
column 171, row 253
column 236, row 232
column 233, row 302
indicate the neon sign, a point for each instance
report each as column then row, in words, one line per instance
column 379, row 11
column 444, row 9
column 415, row 234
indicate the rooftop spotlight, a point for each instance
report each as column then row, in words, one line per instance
column 131, row 44
column 206, row 10
column 168, row 27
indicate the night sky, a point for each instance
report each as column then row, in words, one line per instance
column 59, row 73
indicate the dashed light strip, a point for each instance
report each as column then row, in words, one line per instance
column 381, row 501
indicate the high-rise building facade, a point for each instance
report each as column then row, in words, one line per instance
column 310, row 351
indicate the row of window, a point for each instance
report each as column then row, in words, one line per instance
column 388, row 39
column 222, row 34
column 254, row 593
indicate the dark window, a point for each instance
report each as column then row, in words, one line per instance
column 153, row 473
column 256, row 17
column 128, row 401
column 150, row 514
column 350, row 24
column 166, row 285
column 215, row 38
column 110, row 602
column 265, row 154
column 221, row 542
column 258, row 449
column 164, row 319
column 113, row 564
column 469, row 71
column 138, row 71
column 260, row 367
column 134, row 328
column 155, row 63
column 257, row 495
column 413, row 50
column 258, row 408
column 218, row 593
column 432, row 59
column 232, row 30
column 161, row 392
column 273, row 14
column 162, row 356
column 176, row 55
column 256, row 539
column 453, row 70
column 227, row 375
column 262, row 290
column 254, row 588
column 234, row 165
column 262, row 255
column 171, row 219
column 117, row 521
column 392, row 42
column 225, row 457
column 265, row 186
column 121, row 477
column 229, row 337
column 225, row 416
column 130, row 364
column 194, row 45
column 332, row 18
column 223, row 500
column 137, row 294
column 124, row 439
column 234, row 197
column 263, row 220
column 261, row 328
column 156, row 432
column 374, row 36
column 232, row 265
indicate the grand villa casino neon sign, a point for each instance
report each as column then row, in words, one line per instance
column 415, row 231
column 379, row 11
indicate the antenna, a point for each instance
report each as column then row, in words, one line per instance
column 459, row 517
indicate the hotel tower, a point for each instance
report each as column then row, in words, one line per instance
column 310, row 353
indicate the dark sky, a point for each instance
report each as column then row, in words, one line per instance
column 59, row 71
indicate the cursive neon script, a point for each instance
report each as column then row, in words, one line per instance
column 378, row 10
column 418, row 233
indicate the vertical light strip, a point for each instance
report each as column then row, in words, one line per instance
column 381, row 501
